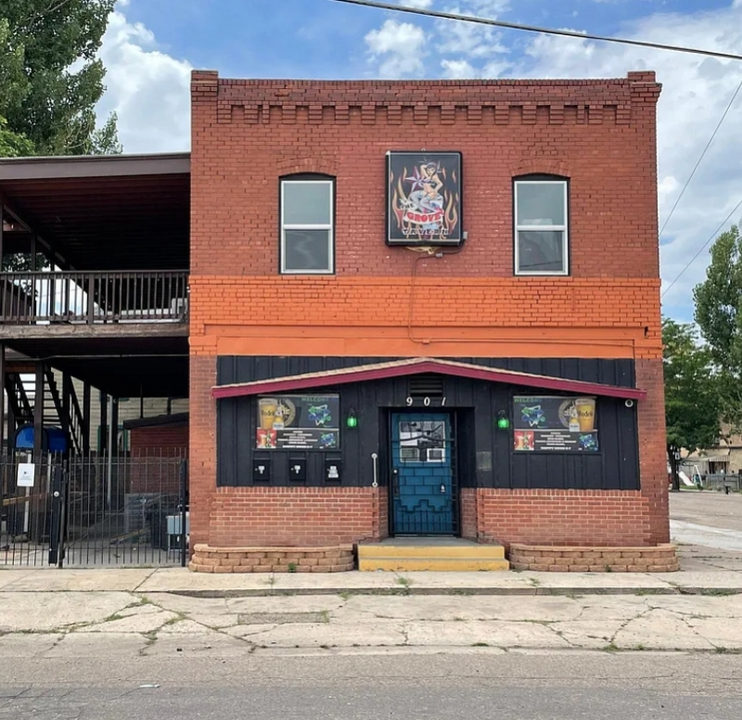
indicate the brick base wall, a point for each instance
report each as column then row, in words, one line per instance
column 271, row 559
column 556, row 517
column 469, row 513
column 296, row 516
column 661, row 558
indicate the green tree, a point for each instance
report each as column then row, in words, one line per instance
column 719, row 316
column 692, row 409
column 50, row 77
column 13, row 144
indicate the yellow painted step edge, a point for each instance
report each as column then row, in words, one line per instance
column 432, row 551
column 444, row 565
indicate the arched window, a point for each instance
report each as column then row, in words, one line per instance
column 308, row 224
column 541, row 214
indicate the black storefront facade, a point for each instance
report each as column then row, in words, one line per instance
column 423, row 432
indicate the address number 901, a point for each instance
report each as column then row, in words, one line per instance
column 426, row 401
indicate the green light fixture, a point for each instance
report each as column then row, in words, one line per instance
column 503, row 422
column 351, row 421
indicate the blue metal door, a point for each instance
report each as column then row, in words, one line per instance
column 422, row 474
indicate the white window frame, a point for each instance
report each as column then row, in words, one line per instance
column 330, row 227
column 538, row 228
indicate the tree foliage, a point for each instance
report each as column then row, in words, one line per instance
column 50, row 77
column 13, row 144
column 719, row 316
column 692, row 408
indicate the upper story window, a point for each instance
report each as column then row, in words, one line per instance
column 307, row 225
column 541, row 226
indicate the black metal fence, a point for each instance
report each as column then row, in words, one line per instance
column 94, row 511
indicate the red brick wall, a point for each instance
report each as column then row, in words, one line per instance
column 294, row 517
column 159, row 441
column 156, row 452
column 468, row 499
column 557, row 517
column 652, row 455
column 599, row 133
column 202, row 444
column 246, row 133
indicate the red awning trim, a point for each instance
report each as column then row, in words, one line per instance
column 415, row 366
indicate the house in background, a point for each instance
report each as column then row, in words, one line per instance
column 434, row 311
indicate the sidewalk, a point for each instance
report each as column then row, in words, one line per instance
column 704, row 571
column 139, row 613
column 172, row 612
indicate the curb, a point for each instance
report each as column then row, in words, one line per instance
column 409, row 591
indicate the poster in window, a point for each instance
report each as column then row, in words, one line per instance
column 555, row 424
column 424, row 198
column 298, row 422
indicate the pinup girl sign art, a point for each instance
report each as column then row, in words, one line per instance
column 424, row 196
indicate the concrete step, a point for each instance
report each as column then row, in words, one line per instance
column 407, row 564
column 453, row 555
column 432, row 550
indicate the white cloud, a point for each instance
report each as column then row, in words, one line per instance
column 696, row 90
column 146, row 87
column 399, row 47
column 457, row 69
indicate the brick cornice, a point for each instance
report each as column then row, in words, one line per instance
column 553, row 102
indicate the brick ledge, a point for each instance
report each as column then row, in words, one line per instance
column 337, row 558
column 562, row 558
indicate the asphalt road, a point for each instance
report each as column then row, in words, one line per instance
column 472, row 685
column 709, row 508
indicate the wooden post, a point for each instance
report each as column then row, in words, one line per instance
column 33, row 252
column 67, row 410
column 103, row 426
column 38, row 414
column 2, row 215
column 86, row 419
column 2, row 400
column 114, row 443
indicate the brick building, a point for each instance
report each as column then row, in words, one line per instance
column 425, row 308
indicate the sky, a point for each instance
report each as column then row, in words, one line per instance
column 151, row 46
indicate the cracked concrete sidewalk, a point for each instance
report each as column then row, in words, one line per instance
column 111, row 612
column 75, row 624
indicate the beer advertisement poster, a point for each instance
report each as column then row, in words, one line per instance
column 298, row 422
column 424, row 198
column 556, row 424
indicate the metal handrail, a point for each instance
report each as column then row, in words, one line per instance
column 91, row 297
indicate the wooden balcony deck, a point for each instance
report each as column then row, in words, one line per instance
column 87, row 303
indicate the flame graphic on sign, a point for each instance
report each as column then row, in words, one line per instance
column 399, row 201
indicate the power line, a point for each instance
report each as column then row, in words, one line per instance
column 535, row 29
column 703, row 154
column 703, row 247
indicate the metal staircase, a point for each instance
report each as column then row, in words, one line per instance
column 61, row 406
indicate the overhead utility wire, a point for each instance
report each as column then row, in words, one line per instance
column 703, row 247
column 599, row 38
column 535, row 29
column 703, row 154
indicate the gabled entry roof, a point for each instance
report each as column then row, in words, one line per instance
column 415, row 366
